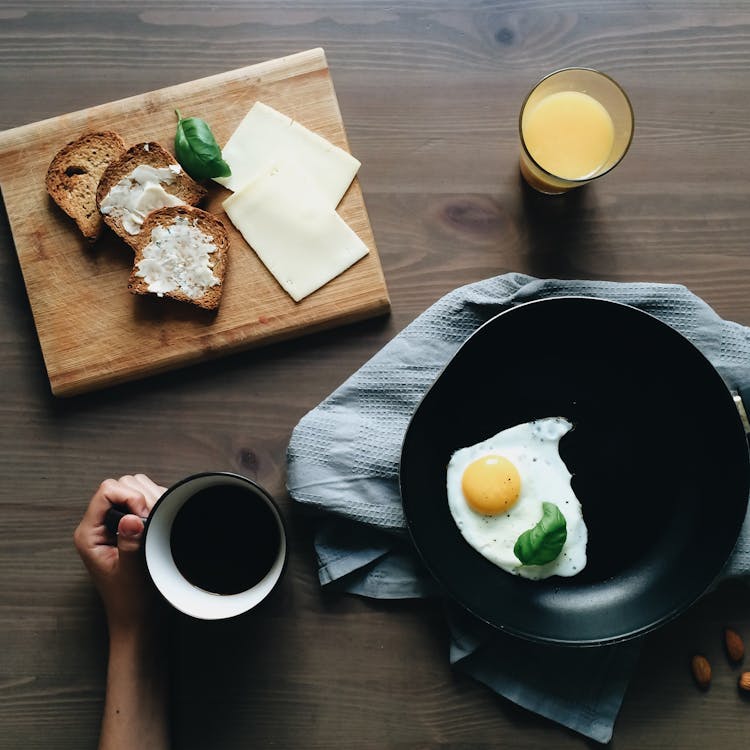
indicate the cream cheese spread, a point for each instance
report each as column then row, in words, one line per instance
column 178, row 259
column 139, row 193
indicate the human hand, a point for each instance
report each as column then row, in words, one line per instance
column 114, row 562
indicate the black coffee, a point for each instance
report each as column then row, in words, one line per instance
column 225, row 539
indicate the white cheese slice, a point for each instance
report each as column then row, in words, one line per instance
column 302, row 241
column 266, row 134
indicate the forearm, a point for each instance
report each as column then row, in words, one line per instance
column 135, row 708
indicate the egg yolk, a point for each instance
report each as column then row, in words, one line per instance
column 491, row 485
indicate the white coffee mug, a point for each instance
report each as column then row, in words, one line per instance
column 180, row 592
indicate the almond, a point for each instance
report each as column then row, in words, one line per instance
column 744, row 681
column 734, row 645
column 701, row 671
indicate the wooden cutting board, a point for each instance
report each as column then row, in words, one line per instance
column 92, row 331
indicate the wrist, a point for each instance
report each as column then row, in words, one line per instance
column 136, row 633
column 139, row 650
column 137, row 685
column 134, row 616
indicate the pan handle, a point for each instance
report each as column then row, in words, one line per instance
column 741, row 397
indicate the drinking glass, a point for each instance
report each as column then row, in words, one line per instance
column 575, row 125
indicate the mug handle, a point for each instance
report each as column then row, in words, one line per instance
column 114, row 514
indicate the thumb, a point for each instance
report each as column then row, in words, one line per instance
column 130, row 533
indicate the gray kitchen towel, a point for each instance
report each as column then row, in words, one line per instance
column 343, row 463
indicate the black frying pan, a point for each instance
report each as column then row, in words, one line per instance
column 658, row 453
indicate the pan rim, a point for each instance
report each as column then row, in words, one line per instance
column 626, row 634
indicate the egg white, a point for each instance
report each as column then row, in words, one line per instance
column 532, row 448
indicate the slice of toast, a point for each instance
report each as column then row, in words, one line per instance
column 74, row 173
column 169, row 237
column 166, row 184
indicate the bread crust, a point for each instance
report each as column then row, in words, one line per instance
column 74, row 173
column 155, row 155
column 209, row 225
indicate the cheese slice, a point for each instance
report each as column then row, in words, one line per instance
column 299, row 237
column 266, row 134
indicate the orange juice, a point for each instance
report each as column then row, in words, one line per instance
column 569, row 134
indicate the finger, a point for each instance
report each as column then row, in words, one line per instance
column 87, row 537
column 130, row 533
column 151, row 489
column 102, row 557
column 146, row 489
column 130, row 481
column 110, row 493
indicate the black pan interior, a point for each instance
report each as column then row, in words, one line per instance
column 658, row 454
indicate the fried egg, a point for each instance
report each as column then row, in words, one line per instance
column 496, row 489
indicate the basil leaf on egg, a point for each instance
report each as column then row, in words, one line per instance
column 543, row 543
column 196, row 149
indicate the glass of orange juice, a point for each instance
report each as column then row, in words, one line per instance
column 575, row 125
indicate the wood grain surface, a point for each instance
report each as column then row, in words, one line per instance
column 92, row 332
column 429, row 91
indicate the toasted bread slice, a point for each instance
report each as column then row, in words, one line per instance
column 74, row 173
column 165, row 181
column 169, row 236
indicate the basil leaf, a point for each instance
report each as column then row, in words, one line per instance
column 543, row 543
column 196, row 149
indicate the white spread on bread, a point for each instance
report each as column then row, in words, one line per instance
column 265, row 134
column 139, row 193
column 178, row 258
column 293, row 228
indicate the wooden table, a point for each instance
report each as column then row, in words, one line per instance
column 429, row 93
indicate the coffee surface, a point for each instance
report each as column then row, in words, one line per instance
column 225, row 539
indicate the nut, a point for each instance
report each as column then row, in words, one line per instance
column 701, row 671
column 734, row 645
column 744, row 681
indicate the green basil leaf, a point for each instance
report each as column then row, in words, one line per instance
column 543, row 543
column 196, row 149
